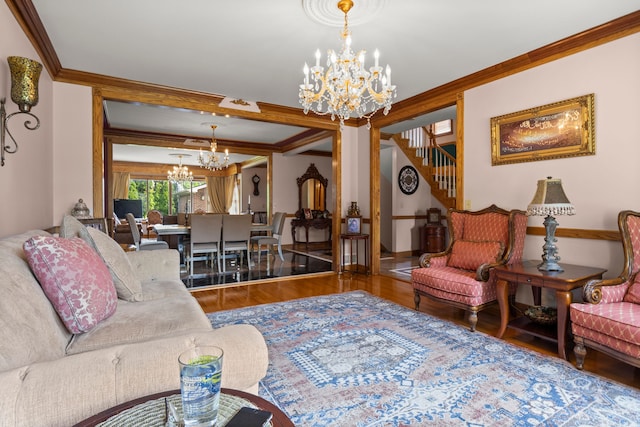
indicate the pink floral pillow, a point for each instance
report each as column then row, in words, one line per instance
column 470, row 255
column 74, row 278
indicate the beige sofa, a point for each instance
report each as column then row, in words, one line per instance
column 50, row 377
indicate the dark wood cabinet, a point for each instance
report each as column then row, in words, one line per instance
column 318, row 223
column 432, row 238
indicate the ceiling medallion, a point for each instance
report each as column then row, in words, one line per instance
column 325, row 12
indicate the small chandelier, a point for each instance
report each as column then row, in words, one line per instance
column 180, row 173
column 347, row 87
column 212, row 160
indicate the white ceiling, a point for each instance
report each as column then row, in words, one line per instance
column 255, row 49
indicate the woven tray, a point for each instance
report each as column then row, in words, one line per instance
column 152, row 412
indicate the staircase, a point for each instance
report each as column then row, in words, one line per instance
column 435, row 163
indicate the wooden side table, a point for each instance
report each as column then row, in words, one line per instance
column 355, row 238
column 527, row 273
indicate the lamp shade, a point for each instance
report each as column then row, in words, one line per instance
column 550, row 199
column 25, row 74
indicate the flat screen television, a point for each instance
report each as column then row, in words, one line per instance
column 121, row 207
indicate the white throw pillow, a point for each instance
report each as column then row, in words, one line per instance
column 127, row 284
column 71, row 227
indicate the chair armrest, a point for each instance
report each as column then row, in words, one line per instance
column 605, row 291
column 438, row 259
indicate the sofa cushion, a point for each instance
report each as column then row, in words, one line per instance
column 32, row 332
column 469, row 255
column 74, row 278
column 127, row 284
column 169, row 309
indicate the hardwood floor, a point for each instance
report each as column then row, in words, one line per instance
column 400, row 292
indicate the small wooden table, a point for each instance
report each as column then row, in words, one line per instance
column 279, row 418
column 351, row 238
column 527, row 273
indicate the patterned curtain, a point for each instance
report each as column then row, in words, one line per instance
column 121, row 185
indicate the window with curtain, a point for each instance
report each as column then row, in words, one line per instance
column 168, row 198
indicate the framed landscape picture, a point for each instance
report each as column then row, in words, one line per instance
column 552, row 131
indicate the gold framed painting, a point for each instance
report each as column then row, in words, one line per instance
column 552, row 131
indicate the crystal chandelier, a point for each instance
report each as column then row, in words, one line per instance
column 212, row 160
column 180, row 173
column 347, row 87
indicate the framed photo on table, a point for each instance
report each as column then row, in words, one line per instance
column 354, row 224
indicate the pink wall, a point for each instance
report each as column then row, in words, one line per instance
column 72, row 158
column 599, row 186
column 26, row 188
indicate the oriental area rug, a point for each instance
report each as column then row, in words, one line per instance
column 353, row 359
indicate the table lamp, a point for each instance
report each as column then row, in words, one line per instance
column 548, row 201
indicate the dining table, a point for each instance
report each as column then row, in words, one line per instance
column 174, row 234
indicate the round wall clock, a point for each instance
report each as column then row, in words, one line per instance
column 408, row 180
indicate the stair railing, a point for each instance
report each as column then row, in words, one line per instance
column 439, row 164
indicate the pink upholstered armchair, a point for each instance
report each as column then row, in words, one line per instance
column 462, row 275
column 609, row 321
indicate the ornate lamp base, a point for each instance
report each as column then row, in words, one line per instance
column 549, row 256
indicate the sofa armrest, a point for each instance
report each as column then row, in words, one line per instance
column 67, row 390
column 161, row 264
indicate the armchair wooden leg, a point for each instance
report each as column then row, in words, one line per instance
column 473, row 319
column 416, row 299
column 580, row 351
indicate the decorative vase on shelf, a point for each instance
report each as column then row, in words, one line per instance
column 80, row 210
column 354, row 210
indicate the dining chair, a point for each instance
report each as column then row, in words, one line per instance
column 147, row 245
column 276, row 235
column 154, row 217
column 206, row 231
column 236, row 233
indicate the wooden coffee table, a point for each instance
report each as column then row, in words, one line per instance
column 279, row 418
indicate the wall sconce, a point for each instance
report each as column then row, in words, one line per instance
column 25, row 74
